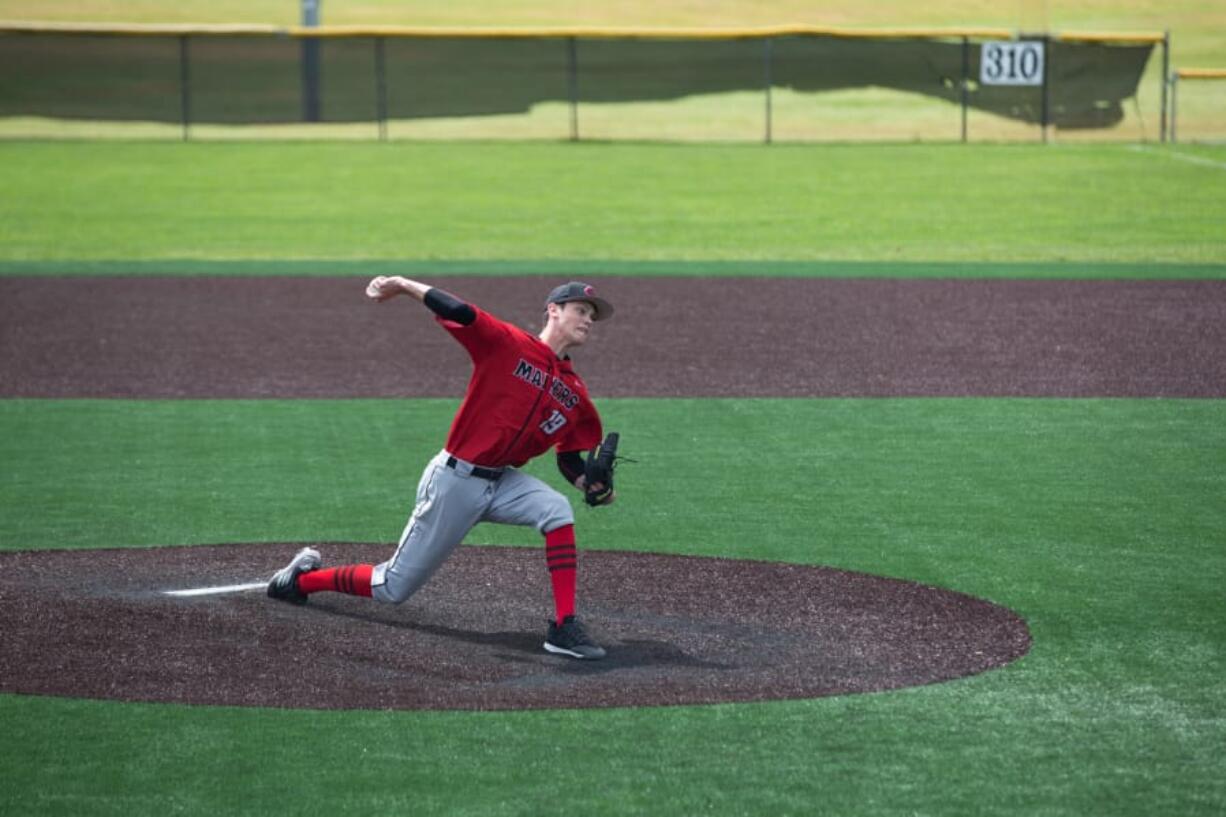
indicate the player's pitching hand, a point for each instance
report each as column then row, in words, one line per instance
column 383, row 287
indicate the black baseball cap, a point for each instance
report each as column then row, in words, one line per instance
column 578, row 291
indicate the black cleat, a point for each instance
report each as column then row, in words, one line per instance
column 284, row 583
column 570, row 639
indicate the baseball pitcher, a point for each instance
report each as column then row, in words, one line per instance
column 523, row 399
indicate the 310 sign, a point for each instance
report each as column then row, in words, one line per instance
column 1011, row 63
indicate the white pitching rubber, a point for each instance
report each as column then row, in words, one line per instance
column 210, row 591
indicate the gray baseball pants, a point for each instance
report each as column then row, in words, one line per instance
column 450, row 502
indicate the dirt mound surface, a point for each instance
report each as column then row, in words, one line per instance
column 679, row 630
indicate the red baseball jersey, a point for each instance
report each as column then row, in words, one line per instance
column 521, row 400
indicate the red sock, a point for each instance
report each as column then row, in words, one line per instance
column 562, row 559
column 351, row 579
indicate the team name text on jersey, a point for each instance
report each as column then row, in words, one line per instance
column 559, row 391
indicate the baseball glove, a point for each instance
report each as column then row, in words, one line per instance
column 598, row 470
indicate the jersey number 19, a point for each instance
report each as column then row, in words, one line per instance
column 555, row 421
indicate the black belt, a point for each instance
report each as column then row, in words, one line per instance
column 484, row 473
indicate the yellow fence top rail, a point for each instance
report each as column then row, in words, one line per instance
column 138, row 29
column 617, row 33
column 1201, row 73
column 1110, row 37
column 209, row 29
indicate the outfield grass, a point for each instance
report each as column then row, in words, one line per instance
column 1097, row 520
column 133, row 201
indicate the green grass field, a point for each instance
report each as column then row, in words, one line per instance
column 134, row 201
column 1112, row 552
column 1099, row 521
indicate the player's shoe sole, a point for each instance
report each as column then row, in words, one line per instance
column 283, row 585
column 571, row 640
column 589, row 653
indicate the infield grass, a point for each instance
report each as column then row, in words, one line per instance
column 1098, row 520
column 133, row 201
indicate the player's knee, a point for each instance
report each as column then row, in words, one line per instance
column 556, row 513
column 396, row 593
column 393, row 586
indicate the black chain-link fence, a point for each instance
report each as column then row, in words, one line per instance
column 569, row 82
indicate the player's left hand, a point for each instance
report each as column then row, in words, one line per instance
column 598, row 471
column 597, row 491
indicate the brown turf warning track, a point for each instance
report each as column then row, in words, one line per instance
column 672, row 337
column 679, row 630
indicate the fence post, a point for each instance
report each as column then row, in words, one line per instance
column 768, row 52
column 1166, row 72
column 966, row 78
column 1045, row 117
column 185, row 87
column 310, row 63
column 572, row 77
column 1174, row 105
column 381, row 88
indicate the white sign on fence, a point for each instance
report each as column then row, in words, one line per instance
column 1011, row 62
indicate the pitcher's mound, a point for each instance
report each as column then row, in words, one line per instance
column 678, row 630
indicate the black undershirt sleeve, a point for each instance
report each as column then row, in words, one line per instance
column 449, row 307
column 570, row 463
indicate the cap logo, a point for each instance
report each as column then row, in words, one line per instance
column 579, row 291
